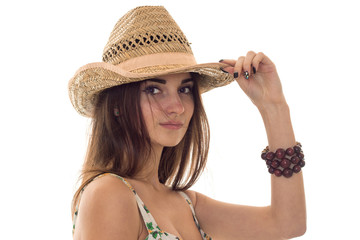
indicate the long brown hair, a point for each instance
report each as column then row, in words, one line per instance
column 121, row 144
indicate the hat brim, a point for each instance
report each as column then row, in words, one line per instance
column 93, row 78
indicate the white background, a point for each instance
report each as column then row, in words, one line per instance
column 314, row 44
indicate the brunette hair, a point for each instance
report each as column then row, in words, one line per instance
column 121, row 144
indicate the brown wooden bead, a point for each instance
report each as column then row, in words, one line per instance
column 287, row 172
column 270, row 155
column 297, row 149
column 290, row 151
column 285, row 163
column 295, row 159
column 275, row 164
column 280, row 153
column 296, row 168
column 277, row 172
column 302, row 163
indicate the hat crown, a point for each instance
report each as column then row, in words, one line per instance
column 142, row 31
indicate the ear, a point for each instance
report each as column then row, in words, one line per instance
column 116, row 112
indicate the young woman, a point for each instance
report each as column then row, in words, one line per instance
column 150, row 140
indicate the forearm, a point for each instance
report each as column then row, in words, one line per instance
column 287, row 194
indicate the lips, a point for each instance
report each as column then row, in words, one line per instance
column 172, row 125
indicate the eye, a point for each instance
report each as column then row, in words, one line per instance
column 152, row 90
column 186, row 90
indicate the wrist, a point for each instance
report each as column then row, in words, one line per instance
column 278, row 126
column 274, row 110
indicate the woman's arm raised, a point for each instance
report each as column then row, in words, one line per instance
column 286, row 216
column 287, row 194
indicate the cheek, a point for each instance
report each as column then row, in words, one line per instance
column 190, row 106
column 149, row 111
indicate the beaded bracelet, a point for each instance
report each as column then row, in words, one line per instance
column 284, row 162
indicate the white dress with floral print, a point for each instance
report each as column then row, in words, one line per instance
column 155, row 233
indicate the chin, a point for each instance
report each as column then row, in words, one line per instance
column 168, row 140
column 172, row 143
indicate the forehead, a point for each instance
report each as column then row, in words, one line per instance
column 174, row 78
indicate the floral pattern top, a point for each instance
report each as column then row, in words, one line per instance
column 155, row 232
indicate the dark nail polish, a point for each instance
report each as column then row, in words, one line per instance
column 223, row 70
column 246, row 75
column 236, row 74
column 221, row 60
column 254, row 70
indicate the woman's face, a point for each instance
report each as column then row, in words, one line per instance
column 167, row 106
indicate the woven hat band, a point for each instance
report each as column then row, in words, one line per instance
column 158, row 59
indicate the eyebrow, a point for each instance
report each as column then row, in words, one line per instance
column 162, row 81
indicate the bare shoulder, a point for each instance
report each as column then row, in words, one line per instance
column 107, row 210
column 198, row 199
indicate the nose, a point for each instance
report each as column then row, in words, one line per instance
column 174, row 105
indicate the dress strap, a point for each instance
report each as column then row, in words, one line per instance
column 188, row 200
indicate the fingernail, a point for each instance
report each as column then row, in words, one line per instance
column 236, row 74
column 254, row 70
column 246, row 75
column 221, row 60
column 223, row 70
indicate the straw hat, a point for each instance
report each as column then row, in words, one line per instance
column 145, row 43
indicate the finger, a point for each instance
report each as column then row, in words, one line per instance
column 238, row 67
column 228, row 61
column 260, row 58
column 247, row 63
column 228, row 69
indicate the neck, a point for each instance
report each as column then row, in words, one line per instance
column 149, row 173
